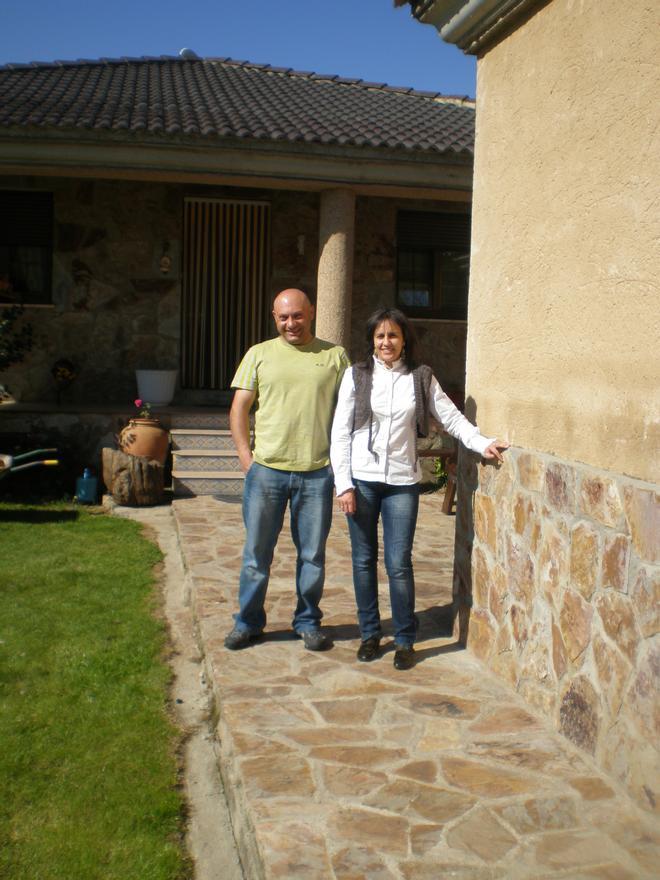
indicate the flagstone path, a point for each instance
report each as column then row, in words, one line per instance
column 344, row 770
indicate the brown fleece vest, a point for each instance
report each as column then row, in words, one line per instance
column 362, row 412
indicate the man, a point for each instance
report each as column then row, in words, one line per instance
column 294, row 379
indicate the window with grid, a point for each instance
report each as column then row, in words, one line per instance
column 26, row 247
column 433, row 263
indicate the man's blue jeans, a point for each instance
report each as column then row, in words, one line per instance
column 398, row 506
column 266, row 495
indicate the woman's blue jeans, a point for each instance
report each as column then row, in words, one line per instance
column 265, row 497
column 397, row 506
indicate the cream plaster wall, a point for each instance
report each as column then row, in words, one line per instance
column 563, row 332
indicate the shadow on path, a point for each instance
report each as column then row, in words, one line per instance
column 432, row 623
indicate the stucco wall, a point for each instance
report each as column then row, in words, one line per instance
column 565, row 281
column 557, row 573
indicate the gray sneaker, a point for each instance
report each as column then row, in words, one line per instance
column 239, row 638
column 315, row 640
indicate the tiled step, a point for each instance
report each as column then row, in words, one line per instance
column 205, row 460
column 212, row 419
column 189, row 483
column 201, row 438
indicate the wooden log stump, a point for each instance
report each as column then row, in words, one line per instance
column 133, row 480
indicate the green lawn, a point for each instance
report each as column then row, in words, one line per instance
column 87, row 754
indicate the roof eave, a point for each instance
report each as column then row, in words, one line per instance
column 311, row 166
column 474, row 25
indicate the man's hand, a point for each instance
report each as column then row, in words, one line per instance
column 346, row 502
column 493, row 451
column 246, row 459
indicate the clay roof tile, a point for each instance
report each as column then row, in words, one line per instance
column 226, row 98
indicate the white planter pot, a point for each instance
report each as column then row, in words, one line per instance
column 156, row 386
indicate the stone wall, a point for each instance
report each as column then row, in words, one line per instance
column 77, row 436
column 114, row 311
column 560, row 563
column 295, row 214
column 112, row 308
column 442, row 343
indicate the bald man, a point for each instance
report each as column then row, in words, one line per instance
column 294, row 380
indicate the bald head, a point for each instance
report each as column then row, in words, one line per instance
column 293, row 297
column 293, row 314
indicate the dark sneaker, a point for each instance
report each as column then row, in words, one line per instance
column 368, row 649
column 315, row 640
column 404, row 657
column 239, row 638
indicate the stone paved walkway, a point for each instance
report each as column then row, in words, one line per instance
column 339, row 769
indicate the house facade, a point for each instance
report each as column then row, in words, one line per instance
column 151, row 209
column 558, row 552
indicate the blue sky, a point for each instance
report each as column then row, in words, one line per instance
column 368, row 39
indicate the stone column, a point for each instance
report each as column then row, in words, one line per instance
column 335, row 272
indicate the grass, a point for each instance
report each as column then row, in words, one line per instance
column 87, row 753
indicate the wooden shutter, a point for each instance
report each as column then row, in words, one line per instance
column 226, row 268
column 431, row 230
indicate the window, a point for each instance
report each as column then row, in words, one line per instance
column 26, row 246
column 433, row 265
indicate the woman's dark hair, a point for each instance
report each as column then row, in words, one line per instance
column 396, row 316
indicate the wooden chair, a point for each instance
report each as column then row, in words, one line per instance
column 450, row 490
column 449, row 460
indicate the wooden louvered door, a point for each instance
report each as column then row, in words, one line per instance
column 226, row 269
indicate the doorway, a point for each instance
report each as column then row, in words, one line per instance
column 225, row 288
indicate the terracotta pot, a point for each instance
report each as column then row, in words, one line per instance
column 145, row 437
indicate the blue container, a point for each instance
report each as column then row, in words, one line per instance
column 86, row 488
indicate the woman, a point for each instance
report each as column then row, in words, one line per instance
column 384, row 404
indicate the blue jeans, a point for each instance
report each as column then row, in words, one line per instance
column 398, row 506
column 266, row 495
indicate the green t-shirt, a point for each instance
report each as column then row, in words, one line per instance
column 296, row 389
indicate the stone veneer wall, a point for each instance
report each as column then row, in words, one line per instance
column 561, row 565
column 113, row 311
column 79, row 438
column 442, row 343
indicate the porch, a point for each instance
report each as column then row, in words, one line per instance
column 169, row 276
column 179, row 277
column 203, row 459
column 155, row 236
